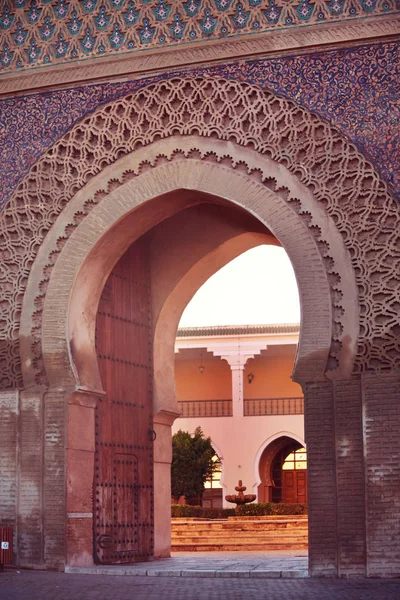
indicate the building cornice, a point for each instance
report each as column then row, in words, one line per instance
column 132, row 65
column 238, row 330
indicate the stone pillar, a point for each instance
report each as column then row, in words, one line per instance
column 30, row 539
column 381, row 414
column 334, row 437
column 321, row 471
column 80, row 469
column 162, row 482
column 54, row 480
column 350, row 479
column 9, row 421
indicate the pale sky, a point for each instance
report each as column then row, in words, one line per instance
column 257, row 287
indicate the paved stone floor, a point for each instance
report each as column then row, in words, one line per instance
column 34, row 585
column 276, row 564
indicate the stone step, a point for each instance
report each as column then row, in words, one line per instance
column 242, row 542
column 239, row 534
column 256, row 546
column 271, row 518
column 236, row 530
column 237, row 523
column 283, row 533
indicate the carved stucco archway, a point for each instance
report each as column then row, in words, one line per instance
column 188, row 163
column 243, row 187
column 342, row 181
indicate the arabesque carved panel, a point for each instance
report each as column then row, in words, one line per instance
column 340, row 177
column 352, row 88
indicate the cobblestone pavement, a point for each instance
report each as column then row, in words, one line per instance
column 35, row 585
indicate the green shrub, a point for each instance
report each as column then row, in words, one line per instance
column 218, row 513
column 254, row 510
column 290, row 509
column 245, row 510
column 270, row 508
column 184, row 510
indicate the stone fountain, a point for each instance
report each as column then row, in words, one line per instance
column 240, row 498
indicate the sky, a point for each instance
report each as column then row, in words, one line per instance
column 258, row 287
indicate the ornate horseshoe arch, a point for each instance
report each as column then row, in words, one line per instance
column 240, row 175
column 341, row 180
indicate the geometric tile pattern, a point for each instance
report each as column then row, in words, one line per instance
column 36, row 33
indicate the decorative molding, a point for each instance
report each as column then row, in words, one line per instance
column 150, row 61
column 67, row 42
column 235, row 330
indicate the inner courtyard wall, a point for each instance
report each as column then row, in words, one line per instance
column 271, row 377
column 272, row 374
column 240, row 441
column 215, row 383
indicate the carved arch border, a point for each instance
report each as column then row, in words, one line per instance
column 254, row 182
column 343, row 182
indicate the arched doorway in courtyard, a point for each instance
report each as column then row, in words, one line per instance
column 283, row 472
column 111, row 197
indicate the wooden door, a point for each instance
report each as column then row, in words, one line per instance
column 294, row 486
column 123, row 479
column 301, row 487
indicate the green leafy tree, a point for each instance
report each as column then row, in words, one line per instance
column 192, row 463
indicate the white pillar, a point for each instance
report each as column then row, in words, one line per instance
column 237, row 390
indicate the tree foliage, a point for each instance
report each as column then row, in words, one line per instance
column 192, row 463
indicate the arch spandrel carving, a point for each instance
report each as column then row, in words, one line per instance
column 340, row 178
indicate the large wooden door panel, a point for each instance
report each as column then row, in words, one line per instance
column 294, row 487
column 123, row 482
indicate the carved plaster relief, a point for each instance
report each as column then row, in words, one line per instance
column 342, row 181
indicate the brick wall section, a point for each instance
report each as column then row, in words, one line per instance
column 8, row 460
column 381, row 396
column 320, row 432
column 30, row 537
column 350, row 478
column 54, row 479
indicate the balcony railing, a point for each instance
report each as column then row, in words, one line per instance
column 273, row 406
column 205, row 408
